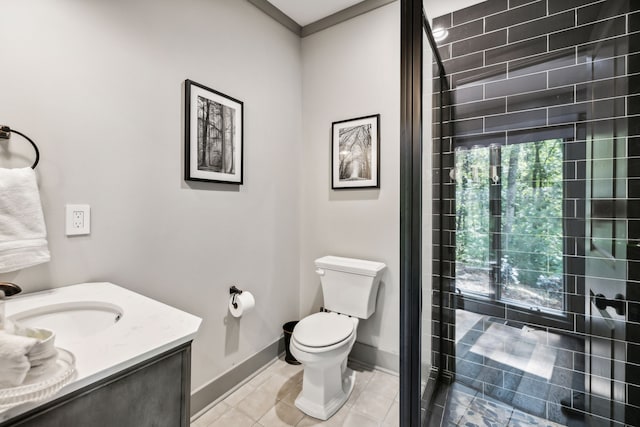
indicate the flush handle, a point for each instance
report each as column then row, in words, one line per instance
column 319, row 272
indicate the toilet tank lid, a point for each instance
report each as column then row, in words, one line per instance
column 350, row 265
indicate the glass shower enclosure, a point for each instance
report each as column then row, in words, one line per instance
column 420, row 354
column 520, row 209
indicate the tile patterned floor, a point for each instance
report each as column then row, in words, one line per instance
column 267, row 400
column 528, row 368
column 464, row 407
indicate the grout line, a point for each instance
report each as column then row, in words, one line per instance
column 531, row 21
column 576, row 63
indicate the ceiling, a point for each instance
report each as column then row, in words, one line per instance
column 305, row 12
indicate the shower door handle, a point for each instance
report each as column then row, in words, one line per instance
column 495, row 178
column 601, row 302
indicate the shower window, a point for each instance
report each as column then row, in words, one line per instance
column 509, row 224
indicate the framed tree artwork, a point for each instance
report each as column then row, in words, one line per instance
column 213, row 135
column 355, row 153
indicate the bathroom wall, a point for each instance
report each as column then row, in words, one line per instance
column 352, row 70
column 98, row 85
column 435, row 8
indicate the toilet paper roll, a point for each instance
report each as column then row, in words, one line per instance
column 244, row 301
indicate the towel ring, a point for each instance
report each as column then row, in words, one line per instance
column 5, row 133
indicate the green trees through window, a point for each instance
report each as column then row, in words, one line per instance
column 509, row 222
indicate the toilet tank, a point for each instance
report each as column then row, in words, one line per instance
column 349, row 286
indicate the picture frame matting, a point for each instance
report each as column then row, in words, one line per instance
column 355, row 153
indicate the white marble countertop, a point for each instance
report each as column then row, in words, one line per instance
column 147, row 328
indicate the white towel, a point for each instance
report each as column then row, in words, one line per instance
column 43, row 354
column 23, row 236
column 14, row 363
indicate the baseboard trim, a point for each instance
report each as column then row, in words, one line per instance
column 220, row 387
column 371, row 356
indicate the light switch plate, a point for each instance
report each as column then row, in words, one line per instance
column 78, row 220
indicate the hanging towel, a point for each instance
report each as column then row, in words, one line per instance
column 23, row 236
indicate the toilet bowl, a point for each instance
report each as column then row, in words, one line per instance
column 322, row 341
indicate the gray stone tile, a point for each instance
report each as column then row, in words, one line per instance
column 521, row 419
column 489, row 410
column 235, row 418
column 291, row 397
column 234, row 398
column 384, row 384
column 257, row 403
column 281, row 415
column 393, row 416
column 355, row 419
column 361, row 384
column 372, row 404
column 206, row 419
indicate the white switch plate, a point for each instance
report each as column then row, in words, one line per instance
column 78, row 220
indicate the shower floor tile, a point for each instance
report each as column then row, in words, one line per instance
column 268, row 400
column 464, row 407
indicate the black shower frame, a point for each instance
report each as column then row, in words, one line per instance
column 413, row 23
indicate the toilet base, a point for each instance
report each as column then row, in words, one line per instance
column 324, row 412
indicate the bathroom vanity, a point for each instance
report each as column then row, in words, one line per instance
column 132, row 358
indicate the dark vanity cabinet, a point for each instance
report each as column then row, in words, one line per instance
column 155, row 393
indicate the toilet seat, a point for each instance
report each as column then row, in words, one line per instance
column 321, row 330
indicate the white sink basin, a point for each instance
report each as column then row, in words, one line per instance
column 107, row 328
column 71, row 320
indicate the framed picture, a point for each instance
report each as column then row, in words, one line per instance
column 213, row 135
column 355, row 153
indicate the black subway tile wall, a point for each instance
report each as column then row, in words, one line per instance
column 542, row 26
column 479, row 43
column 516, row 50
column 545, row 98
column 584, row 33
column 516, row 15
column 533, row 64
column 522, row 71
column 478, row 11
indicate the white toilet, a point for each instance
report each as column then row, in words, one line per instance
column 322, row 341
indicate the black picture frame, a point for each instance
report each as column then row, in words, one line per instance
column 213, row 152
column 355, row 153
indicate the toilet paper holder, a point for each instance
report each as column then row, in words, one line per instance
column 233, row 290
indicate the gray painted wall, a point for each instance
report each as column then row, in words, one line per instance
column 98, row 85
column 352, row 70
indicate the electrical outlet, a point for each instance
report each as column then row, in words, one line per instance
column 78, row 220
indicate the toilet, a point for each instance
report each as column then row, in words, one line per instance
column 322, row 341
